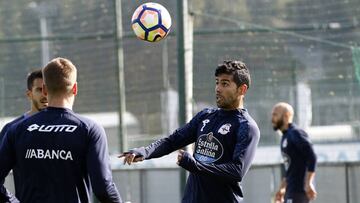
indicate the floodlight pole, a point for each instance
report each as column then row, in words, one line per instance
column 185, row 69
column 44, row 42
column 44, row 10
column 123, row 143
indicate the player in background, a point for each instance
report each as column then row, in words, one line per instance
column 37, row 102
column 225, row 141
column 58, row 154
column 299, row 158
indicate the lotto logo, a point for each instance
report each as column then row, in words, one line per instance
column 52, row 128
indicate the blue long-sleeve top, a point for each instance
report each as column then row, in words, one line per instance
column 299, row 157
column 225, row 144
column 58, row 157
column 5, row 195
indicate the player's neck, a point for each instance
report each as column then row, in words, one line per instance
column 61, row 102
column 285, row 126
column 240, row 105
column 234, row 106
column 31, row 112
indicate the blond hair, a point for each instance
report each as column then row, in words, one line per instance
column 59, row 76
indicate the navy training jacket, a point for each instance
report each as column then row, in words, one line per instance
column 225, row 144
column 58, row 156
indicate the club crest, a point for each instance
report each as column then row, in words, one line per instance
column 224, row 129
column 284, row 143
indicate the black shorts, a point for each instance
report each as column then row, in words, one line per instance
column 296, row 198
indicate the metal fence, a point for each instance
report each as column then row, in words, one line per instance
column 295, row 54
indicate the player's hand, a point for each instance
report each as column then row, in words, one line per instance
column 131, row 157
column 180, row 156
column 310, row 191
column 279, row 196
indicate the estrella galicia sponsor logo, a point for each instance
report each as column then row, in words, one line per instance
column 48, row 154
column 208, row 148
column 52, row 128
column 225, row 129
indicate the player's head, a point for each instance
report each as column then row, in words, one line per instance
column 232, row 82
column 34, row 91
column 60, row 78
column 282, row 115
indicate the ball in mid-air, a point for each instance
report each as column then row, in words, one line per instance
column 151, row 22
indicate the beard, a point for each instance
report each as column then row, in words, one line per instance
column 39, row 105
column 225, row 103
column 278, row 125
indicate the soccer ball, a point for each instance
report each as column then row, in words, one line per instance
column 151, row 22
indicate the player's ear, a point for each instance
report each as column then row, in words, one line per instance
column 28, row 94
column 286, row 116
column 75, row 89
column 44, row 90
column 242, row 89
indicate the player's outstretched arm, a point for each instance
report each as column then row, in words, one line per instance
column 177, row 140
column 156, row 149
column 131, row 157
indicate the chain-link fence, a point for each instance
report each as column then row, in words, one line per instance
column 301, row 52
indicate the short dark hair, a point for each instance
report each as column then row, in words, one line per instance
column 59, row 76
column 237, row 69
column 36, row 74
